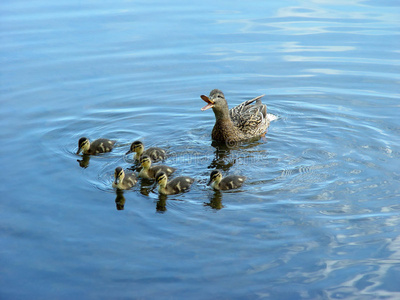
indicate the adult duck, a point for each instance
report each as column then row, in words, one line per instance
column 243, row 122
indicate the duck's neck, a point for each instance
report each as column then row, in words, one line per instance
column 162, row 188
column 224, row 129
column 215, row 184
column 222, row 112
column 139, row 153
column 144, row 172
column 222, row 118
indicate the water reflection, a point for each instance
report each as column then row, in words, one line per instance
column 84, row 162
column 146, row 186
column 215, row 200
column 161, row 206
column 222, row 160
column 120, row 200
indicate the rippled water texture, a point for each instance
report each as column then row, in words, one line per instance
column 318, row 216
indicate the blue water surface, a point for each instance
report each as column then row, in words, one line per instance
column 319, row 214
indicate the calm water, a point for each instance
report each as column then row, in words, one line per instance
column 319, row 215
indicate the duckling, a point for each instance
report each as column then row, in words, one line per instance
column 154, row 153
column 150, row 172
column 242, row 122
column 227, row 183
column 96, row 147
column 123, row 181
column 177, row 185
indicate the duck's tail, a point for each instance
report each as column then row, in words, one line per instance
column 271, row 117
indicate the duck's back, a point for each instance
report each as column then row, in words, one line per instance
column 232, row 182
column 130, row 180
column 155, row 153
column 160, row 168
column 180, row 184
column 101, row 146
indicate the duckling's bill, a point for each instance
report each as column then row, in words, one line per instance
column 210, row 103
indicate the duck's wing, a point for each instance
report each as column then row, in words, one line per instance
column 242, row 107
column 250, row 117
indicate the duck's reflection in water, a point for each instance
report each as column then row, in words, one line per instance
column 84, row 162
column 222, row 160
column 161, row 205
column 215, row 200
column 226, row 154
column 120, row 200
column 146, row 186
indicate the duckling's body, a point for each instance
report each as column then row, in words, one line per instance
column 243, row 122
column 96, row 147
column 225, row 183
column 175, row 186
column 149, row 172
column 155, row 153
column 124, row 181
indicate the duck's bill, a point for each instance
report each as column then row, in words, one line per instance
column 79, row 150
column 130, row 151
column 210, row 104
column 209, row 182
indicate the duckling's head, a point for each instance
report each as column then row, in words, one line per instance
column 136, row 146
column 145, row 161
column 162, row 179
column 119, row 175
column 216, row 100
column 215, row 177
column 83, row 145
